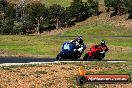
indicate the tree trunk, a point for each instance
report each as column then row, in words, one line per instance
column 38, row 27
column 57, row 23
column 66, row 25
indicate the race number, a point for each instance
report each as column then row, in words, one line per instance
column 66, row 46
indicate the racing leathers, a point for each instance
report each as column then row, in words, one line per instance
column 80, row 47
column 95, row 48
column 104, row 47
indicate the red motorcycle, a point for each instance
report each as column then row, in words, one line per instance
column 96, row 53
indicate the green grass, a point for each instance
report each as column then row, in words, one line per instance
column 49, row 46
column 64, row 3
column 96, row 32
column 111, row 68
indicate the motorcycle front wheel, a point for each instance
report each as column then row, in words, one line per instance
column 58, row 56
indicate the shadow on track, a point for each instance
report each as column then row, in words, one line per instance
column 93, row 60
column 29, row 59
column 24, row 60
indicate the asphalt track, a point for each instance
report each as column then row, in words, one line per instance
column 8, row 61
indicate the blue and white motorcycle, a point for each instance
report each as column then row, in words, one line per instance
column 70, row 51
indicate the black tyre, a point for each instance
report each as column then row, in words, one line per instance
column 101, row 56
column 58, row 56
column 81, row 80
column 74, row 58
column 85, row 57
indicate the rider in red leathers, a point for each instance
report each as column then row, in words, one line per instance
column 101, row 47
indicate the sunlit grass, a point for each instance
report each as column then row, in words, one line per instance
column 49, row 46
column 64, row 3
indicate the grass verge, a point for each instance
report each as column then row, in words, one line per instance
column 49, row 46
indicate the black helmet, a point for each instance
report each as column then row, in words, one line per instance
column 80, row 41
column 102, row 42
column 77, row 38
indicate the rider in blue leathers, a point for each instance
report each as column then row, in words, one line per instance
column 78, row 41
column 72, row 49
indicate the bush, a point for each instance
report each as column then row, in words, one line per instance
column 118, row 7
column 7, row 26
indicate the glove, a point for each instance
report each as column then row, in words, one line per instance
column 80, row 49
column 75, row 50
column 102, row 52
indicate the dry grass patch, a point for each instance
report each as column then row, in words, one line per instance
column 59, row 75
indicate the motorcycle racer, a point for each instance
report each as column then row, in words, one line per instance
column 78, row 41
column 72, row 49
column 103, row 46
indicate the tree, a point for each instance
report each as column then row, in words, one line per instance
column 7, row 18
column 56, row 14
column 38, row 13
column 129, row 8
column 3, row 4
column 82, row 10
column 7, row 26
column 93, row 6
column 10, row 11
column 77, row 9
column 118, row 6
column 23, row 27
column 69, row 16
column 20, row 9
